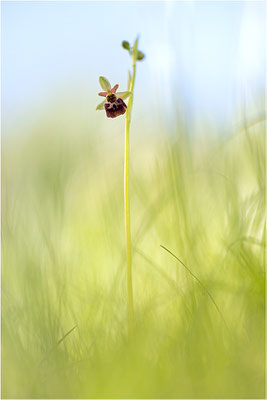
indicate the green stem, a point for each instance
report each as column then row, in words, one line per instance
column 127, row 207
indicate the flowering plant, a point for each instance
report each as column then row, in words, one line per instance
column 115, row 106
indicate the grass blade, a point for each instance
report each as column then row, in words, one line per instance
column 198, row 281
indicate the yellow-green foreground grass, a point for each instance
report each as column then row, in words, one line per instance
column 63, row 265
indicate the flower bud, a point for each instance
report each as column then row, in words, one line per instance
column 126, row 45
column 140, row 55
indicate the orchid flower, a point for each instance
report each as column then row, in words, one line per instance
column 113, row 104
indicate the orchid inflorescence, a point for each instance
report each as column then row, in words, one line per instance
column 114, row 104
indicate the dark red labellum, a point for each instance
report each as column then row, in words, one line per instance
column 115, row 107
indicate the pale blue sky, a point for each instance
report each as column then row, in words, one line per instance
column 210, row 53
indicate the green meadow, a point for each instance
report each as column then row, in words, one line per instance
column 199, row 319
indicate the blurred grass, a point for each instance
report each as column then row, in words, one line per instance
column 63, row 264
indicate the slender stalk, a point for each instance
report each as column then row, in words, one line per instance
column 127, row 206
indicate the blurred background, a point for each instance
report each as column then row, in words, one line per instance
column 208, row 55
column 197, row 186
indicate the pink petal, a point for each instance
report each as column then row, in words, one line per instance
column 113, row 90
column 102, row 94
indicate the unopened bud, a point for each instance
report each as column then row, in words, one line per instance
column 140, row 55
column 126, row 45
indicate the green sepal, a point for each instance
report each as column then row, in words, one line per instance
column 104, row 83
column 123, row 95
column 101, row 105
